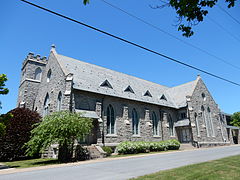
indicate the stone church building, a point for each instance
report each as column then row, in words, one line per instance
column 123, row 107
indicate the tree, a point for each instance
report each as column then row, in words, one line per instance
column 63, row 128
column 4, row 117
column 4, row 121
column 190, row 12
column 18, row 132
column 3, row 79
column 235, row 119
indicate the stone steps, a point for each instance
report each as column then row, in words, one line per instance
column 186, row 146
column 95, row 152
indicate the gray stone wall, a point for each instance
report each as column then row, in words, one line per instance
column 57, row 83
column 123, row 115
column 195, row 104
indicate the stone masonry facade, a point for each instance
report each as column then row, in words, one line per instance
column 139, row 112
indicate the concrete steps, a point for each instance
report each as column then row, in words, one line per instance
column 96, row 152
column 186, row 146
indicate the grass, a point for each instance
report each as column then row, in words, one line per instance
column 31, row 163
column 226, row 168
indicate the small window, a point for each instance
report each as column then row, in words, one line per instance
column 49, row 74
column 129, row 89
column 110, row 120
column 106, row 84
column 59, row 102
column 163, row 98
column 155, row 122
column 147, row 93
column 46, row 106
column 135, row 123
column 204, row 96
column 38, row 74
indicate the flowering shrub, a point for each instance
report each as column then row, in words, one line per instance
column 128, row 147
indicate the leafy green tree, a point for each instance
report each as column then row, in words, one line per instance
column 190, row 12
column 4, row 118
column 235, row 119
column 4, row 121
column 3, row 79
column 63, row 128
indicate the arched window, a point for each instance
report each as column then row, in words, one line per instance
column 46, row 106
column 135, row 122
column 197, row 124
column 59, row 101
column 49, row 74
column 204, row 96
column 38, row 74
column 210, row 122
column 110, row 120
column 170, row 121
column 205, row 120
column 155, row 123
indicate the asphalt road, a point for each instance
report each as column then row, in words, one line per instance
column 125, row 168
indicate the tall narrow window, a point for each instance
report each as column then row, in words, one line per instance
column 49, row 74
column 170, row 121
column 205, row 120
column 110, row 120
column 38, row 74
column 59, row 101
column 135, row 123
column 46, row 106
column 211, row 122
column 197, row 124
column 155, row 123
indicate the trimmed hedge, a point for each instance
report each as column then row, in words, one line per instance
column 128, row 147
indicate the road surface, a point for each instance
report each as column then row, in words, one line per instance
column 125, row 168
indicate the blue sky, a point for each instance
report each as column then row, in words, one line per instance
column 26, row 29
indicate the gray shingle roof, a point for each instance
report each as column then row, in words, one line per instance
column 89, row 77
column 179, row 93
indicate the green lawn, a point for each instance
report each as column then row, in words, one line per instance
column 31, row 163
column 226, row 168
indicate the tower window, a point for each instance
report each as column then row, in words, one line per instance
column 38, row 74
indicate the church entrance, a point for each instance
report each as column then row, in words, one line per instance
column 184, row 135
column 92, row 137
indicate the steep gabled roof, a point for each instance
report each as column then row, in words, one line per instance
column 90, row 77
column 179, row 93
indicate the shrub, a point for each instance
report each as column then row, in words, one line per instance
column 142, row 146
column 108, row 150
column 173, row 144
column 17, row 134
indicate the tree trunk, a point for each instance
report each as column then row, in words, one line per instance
column 64, row 154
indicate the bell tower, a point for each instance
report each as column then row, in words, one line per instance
column 31, row 77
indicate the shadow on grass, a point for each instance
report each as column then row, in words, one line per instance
column 54, row 161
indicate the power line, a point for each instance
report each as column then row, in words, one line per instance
column 229, row 14
column 171, row 35
column 224, row 29
column 132, row 43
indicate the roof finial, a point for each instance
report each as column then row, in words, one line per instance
column 198, row 76
column 53, row 48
